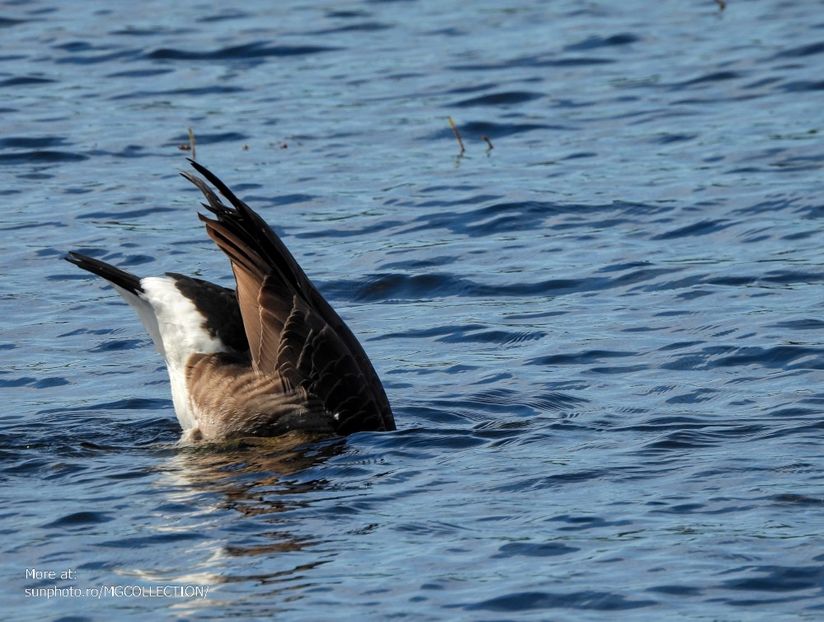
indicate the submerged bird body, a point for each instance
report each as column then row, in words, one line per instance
column 267, row 358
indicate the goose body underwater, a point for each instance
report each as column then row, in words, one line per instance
column 267, row 358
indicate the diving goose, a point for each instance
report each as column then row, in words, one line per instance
column 265, row 359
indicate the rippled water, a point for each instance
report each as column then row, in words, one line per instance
column 602, row 338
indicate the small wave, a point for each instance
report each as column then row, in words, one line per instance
column 497, row 99
column 716, row 76
column 140, row 73
column 158, row 539
column 80, row 518
column 805, row 324
column 803, row 85
column 341, row 232
column 592, row 43
column 679, row 440
column 552, row 401
column 360, row 27
column 225, row 15
column 524, row 215
column 466, row 334
column 94, row 59
column 703, row 227
column 783, row 357
column 534, row 549
column 587, row 600
column 395, row 286
column 796, row 499
column 248, row 51
column 693, row 397
column 774, row 579
column 476, row 129
column 676, row 590
column 31, row 142
column 346, row 13
column 41, row 156
column 6, row 22
column 137, row 213
column 129, row 403
column 534, row 61
column 809, row 49
column 207, row 138
column 214, row 89
column 493, row 336
column 25, row 81
column 586, row 357
column 35, row 383
column 667, row 139
column 118, row 344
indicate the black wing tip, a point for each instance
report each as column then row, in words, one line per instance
column 221, row 187
column 75, row 258
column 201, row 169
column 186, row 175
column 214, row 204
column 114, row 275
column 213, row 179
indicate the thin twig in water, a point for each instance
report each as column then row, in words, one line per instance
column 489, row 145
column 722, row 4
column 192, row 143
column 457, row 134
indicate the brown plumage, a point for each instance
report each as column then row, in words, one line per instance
column 299, row 366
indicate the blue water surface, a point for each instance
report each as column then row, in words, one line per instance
column 602, row 338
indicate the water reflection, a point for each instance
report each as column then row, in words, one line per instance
column 235, row 497
column 211, row 464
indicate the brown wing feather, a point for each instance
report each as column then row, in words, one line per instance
column 292, row 331
column 311, row 355
column 247, row 290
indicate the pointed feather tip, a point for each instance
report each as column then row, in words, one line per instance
column 79, row 259
column 72, row 257
column 194, row 180
column 200, row 168
column 209, row 175
column 186, row 175
column 217, row 183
